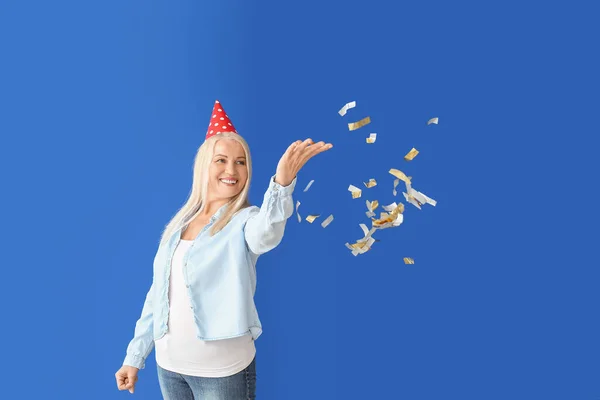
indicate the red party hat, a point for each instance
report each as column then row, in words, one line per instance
column 219, row 121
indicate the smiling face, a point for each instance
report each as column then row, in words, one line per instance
column 227, row 174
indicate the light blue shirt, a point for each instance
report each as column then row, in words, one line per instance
column 219, row 273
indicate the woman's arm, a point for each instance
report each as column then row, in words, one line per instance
column 264, row 229
column 143, row 339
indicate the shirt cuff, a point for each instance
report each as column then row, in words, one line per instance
column 276, row 188
column 134, row 361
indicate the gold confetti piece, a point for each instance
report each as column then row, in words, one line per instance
column 395, row 218
column 363, row 245
column 348, row 106
column 372, row 182
column 356, row 192
column 408, row 260
column 327, row 221
column 311, row 218
column 411, row 154
column 400, row 175
column 396, row 181
column 371, row 206
column 359, row 124
column 433, row 121
column 298, row 205
column 372, row 137
column 309, row 185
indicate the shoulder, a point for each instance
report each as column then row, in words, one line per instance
column 244, row 213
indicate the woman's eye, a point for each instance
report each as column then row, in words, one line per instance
column 220, row 159
column 242, row 162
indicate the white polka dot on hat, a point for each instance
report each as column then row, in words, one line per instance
column 213, row 128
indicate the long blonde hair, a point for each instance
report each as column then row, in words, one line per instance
column 194, row 204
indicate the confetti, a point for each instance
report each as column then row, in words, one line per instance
column 408, row 260
column 327, row 221
column 390, row 207
column 433, row 121
column 365, row 230
column 371, row 205
column 309, row 185
column 362, row 245
column 298, row 205
column 400, row 175
column 356, row 192
column 396, row 181
column 348, row 106
column 311, row 218
column 416, row 198
column 411, row 154
column 359, row 124
column 395, row 218
column 372, row 182
column 372, row 137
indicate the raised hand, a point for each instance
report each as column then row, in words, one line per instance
column 295, row 157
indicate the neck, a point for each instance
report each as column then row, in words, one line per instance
column 212, row 206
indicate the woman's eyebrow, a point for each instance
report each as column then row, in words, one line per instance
column 223, row 155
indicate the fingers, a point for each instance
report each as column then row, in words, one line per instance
column 308, row 145
column 314, row 150
column 126, row 380
column 301, row 147
column 293, row 146
column 132, row 379
column 300, row 152
column 121, row 380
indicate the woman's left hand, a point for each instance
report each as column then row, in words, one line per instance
column 295, row 157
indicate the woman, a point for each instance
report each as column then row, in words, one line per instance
column 199, row 313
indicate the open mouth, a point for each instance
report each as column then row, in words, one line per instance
column 229, row 182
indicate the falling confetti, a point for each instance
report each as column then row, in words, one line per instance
column 433, row 121
column 327, row 221
column 371, row 206
column 309, row 185
column 372, row 137
column 400, row 175
column 372, row 182
column 348, row 106
column 362, row 245
column 298, row 205
column 311, row 218
column 395, row 218
column 359, row 124
column 411, row 154
column 408, row 260
column 396, row 181
column 417, row 198
column 390, row 207
column 356, row 192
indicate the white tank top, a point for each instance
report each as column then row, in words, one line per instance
column 180, row 351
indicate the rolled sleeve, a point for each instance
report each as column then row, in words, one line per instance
column 264, row 229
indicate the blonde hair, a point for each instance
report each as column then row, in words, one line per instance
column 194, row 204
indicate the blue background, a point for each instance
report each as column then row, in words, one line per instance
column 102, row 108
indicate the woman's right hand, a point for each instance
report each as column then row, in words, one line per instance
column 127, row 376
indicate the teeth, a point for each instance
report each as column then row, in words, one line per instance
column 228, row 181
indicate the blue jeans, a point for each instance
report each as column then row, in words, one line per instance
column 240, row 386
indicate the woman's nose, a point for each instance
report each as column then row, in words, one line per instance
column 230, row 168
